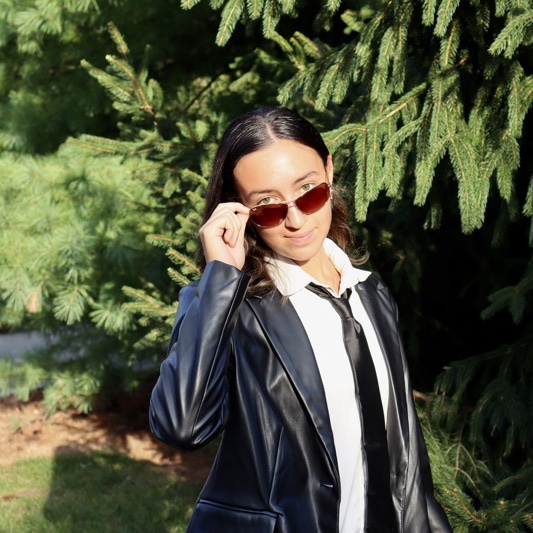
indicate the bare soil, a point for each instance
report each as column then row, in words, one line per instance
column 27, row 431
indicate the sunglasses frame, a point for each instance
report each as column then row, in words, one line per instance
column 288, row 203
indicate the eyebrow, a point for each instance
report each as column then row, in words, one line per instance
column 295, row 182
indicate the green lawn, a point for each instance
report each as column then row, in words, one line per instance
column 97, row 493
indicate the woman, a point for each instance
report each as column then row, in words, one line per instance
column 260, row 351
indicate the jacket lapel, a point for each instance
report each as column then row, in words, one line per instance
column 382, row 312
column 283, row 327
column 285, row 331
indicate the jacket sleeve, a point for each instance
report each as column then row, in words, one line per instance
column 438, row 521
column 188, row 406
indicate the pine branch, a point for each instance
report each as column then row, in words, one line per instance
column 230, row 16
column 449, row 46
column 271, row 17
column 287, row 6
column 147, row 305
column 343, row 135
column 178, row 278
column 327, row 87
column 188, row 4
column 93, row 144
column 119, row 41
column 161, row 241
column 513, row 298
column 255, row 8
column 403, row 22
column 512, row 35
column 380, row 92
column 333, row 5
column 429, row 11
column 71, row 303
column 445, row 13
column 464, row 162
column 179, row 258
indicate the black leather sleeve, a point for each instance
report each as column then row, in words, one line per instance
column 436, row 517
column 188, row 407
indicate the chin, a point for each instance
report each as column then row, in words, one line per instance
column 301, row 256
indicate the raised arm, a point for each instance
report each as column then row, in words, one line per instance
column 188, row 406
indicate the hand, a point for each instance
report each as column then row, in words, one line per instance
column 222, row 235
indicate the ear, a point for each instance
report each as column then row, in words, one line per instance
column 329, row 169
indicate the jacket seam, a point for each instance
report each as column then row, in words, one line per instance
column 275, row 468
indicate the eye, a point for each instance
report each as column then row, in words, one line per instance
column 307, row 187
column 267, row 200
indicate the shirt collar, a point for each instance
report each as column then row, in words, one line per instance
column 289, row 278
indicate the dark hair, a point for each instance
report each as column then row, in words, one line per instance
column 249, row 133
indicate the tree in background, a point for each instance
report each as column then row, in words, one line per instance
column 76, row 210
column 427, row 109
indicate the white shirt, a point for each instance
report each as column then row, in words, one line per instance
column 324, row 329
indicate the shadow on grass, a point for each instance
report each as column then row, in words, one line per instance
column 107, row 492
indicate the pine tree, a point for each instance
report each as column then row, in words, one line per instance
column 78, row 255
column 427, row 109
column 432, row 98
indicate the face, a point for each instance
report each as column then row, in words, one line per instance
column 281, row 172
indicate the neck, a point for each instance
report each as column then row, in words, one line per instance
column 323, row 270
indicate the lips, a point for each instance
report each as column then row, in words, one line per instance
column 301, row 237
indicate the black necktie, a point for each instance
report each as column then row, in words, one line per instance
column 379, row 507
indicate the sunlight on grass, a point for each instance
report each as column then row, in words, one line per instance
column 97, row 493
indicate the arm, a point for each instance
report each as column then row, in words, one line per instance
column 437, row 519
column 421, row 511
column 188, row 406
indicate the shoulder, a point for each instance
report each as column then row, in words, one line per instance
column 216, row 275
column 376, row 290
column 369, row 279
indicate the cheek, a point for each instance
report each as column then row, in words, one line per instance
column 325, row 216
column 268, row 235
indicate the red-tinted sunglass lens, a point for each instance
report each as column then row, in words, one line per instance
column 268, row 216
column 314, row 199
column 271, row 215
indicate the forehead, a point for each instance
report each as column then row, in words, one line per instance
column 277, row 166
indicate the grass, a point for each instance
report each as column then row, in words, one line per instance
column 99, row 493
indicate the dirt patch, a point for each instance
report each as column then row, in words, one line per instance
column 26, row 431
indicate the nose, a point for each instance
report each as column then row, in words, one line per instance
column 295, row 218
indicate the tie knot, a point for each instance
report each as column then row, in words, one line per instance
column 340, row 304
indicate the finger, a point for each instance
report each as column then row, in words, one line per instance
column 243, row 220
column 231, row 218
column 233, row 207
column 237, row 231
column 220, row 221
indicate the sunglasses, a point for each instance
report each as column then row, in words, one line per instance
column 271, row 215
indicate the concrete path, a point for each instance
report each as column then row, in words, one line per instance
column 15, row 345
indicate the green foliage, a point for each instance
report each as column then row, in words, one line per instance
column 84, row 224
column 97, row 207
column 427, row 110
column 425, row 99
column 417, row 121
column 469, row 490
column 20, row 379
column 501, row 422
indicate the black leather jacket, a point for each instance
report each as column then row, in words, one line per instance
column 245, row 365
